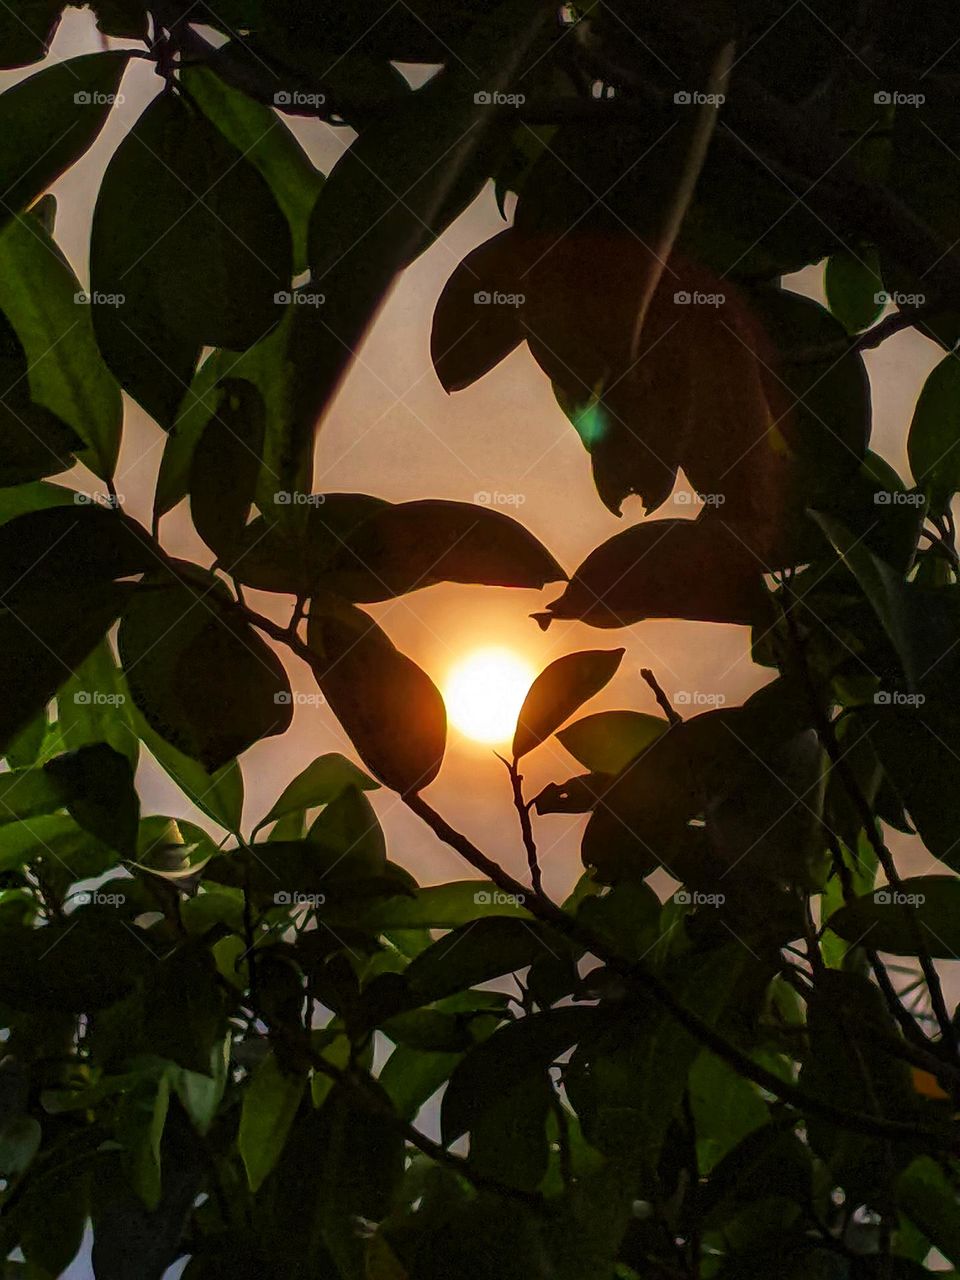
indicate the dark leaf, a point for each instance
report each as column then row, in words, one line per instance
column 475, row 953
column 664, row 569
column 934, row 441
column 188, row 249
column 225, row 469
column 476, row 323
column 607, row 741
column 27, row 30
column 270, row 1104
column 558, row 691
column 884, row 920
column 854, row 288
column 96, row 786
column 49, row 120
column 201, row 676
column 391, row 710
column 321, row 782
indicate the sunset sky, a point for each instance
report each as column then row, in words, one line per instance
column 395, row 433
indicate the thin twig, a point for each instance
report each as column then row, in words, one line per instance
column 672, row 715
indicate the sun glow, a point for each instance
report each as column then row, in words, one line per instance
column 485, row 691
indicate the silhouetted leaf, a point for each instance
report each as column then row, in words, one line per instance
column 225, row 469
column 262, row 137
column 96, row 785
column 927, row 1197
column 476, row 323
column 558, row 691
column 26, row 32
column 664, row 569
column 49, row 120
column 883, row 919
column 475, row 953
column 934, row 440
column 188, row 249
column 321, row 782
column 608, row 740
column 389, row 707
column 201, row 676
column 415, row 544
column 33, row 441
column 852, row 283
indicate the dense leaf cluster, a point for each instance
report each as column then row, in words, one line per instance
column 228, row 1043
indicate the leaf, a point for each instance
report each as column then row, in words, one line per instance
column 933, row 445
column 882, row 920
column 270, row 1104
column 19, row 1143
column 26, row 792
column 219, row 794
column 558, row 691
column 853, row 283
column 883, row 587
column 201, row 676
column 402, row 547
column 49, row 119
column 475, row 953
column 38, row 292
column 929, row 1200
column 348, row 827
column 26, row 32
column 262, row 137
column 33, row 441
column 94, row 707
column 391, row 710
column 225, row 469
column 694, row 569
column 188, row 249
column 476, row 323
column 607, row 741
column 96, row 786
column 401, row 184
column 444, row 906
column 321, row 782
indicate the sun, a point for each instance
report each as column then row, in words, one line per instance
column 484, row 693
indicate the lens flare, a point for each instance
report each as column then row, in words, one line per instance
column 484, row 693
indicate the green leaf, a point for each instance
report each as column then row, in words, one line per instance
column 882, row 920
column 933, row 445
column 607, row 741
column 270, row 1104
column 94, row 706
column 33, row 441
column 402, row 182
column 476, row 323
column 321, row 782
column 189, row 246
column 444, row 906
column 201, row 676
column 218, row 794
column 558, row 691
column 883, row 587
column 27, row 792
column 262, row 137
column 96, row 786
column 929, row 1199
column 411, row 1077
column 475, row 953
column 48, row 121
column 19, row 1143
column 390, row 709
column 39, row 293
column 225, row 468
column 695, row 569
column 27, row 30
column 725, row 1107
column 853, row 285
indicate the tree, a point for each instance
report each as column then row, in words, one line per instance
column 218, row 1041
